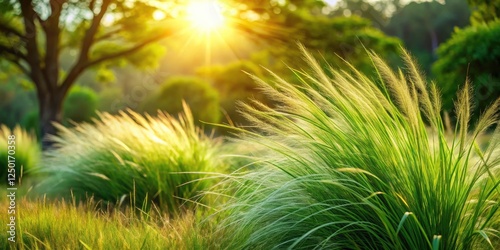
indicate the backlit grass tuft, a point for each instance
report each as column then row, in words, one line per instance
column 131, row 159
column 350, row 162
column 24, row 151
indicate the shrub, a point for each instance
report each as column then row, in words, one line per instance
column 472, row 52
column 80, row 104
column 15, row 98
column 202, row 98
column 354, row 163
column 26, row 152
column 130, row 159
column 31, row 122
column 233, row 87
column 111, row 100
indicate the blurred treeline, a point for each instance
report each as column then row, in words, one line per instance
column 209, row 72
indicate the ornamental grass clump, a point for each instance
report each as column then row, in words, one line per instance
column 131, row 159
column 351, row 162
column 20, row 150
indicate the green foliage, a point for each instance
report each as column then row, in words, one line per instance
column 202, row 98
column 337, row 39
column 16, row 96
column 80, row 105
column 148, row 57
column 424, row 25
column 285, row 23
column 376, row 11
column 471, row 52
column 234, row 86
column 34, row 36
column 25, row 152
column 348, row 37
column 130, row 159
column 105, row 75
column 30, row 122
column 111, row 100
column 347, row 162
column 484, row 11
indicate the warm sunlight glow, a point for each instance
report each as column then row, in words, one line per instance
column 158, row 15
column 205, row 15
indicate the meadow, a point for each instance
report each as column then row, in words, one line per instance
column 341, row 160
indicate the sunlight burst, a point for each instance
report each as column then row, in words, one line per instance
column 205, row 15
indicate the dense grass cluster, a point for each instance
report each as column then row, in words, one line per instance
column 131, row 159
column 350, row 162
column 26, row 152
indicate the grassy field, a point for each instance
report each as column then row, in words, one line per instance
column 342, row 161
column 65, row 225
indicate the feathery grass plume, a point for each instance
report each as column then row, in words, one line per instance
column 24, row 151
column 357, row 163
column 129, row 158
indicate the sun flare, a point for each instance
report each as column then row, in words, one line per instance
column 205, row 15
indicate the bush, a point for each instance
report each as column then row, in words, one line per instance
column 31, row 122
column 15, row 100
column 130, row 159
column 234, row 87
column 472, row 52
column 354, row 163
column 26, row 152
column 80, row 105
column 440, row 19
column 111, row 100
column 202, row 98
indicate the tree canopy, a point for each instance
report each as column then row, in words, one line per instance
column 34, row 35
column 423, row 26
column 471, row 53
column 55, row 42
column 484, row 10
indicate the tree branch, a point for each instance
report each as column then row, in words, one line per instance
column 91, row 5
column 40, row 20
column 128, row 51
column 88, row 41
column 33, row 55
column 70, row 78
column 9, row 30
column 108, row 34
column 16, row 61
column 52, row 36
column 13, row 52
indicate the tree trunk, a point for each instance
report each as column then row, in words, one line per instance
column 50, row 108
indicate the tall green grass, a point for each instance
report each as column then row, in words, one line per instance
column 25, row 149
column 349, row 162
column 131, row 159
column 41, row 224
